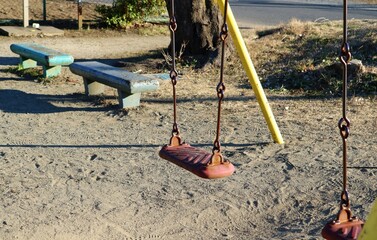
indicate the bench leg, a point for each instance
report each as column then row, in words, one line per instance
column 93, row 87
column 51, row 71
column 27, row 63
column 128, row 100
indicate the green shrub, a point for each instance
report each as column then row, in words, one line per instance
column 125, row 12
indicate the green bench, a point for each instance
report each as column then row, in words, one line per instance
column 32, row 54
column 129, row 85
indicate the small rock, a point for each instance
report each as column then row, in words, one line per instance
column 355, row 67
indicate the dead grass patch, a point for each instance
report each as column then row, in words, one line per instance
column 297, row 56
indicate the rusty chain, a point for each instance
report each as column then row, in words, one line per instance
column 173, row 72
column 220, row 89
column 344, row 123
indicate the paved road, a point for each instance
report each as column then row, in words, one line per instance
column 249, row 13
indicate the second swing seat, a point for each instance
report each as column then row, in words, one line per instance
column 196, row 161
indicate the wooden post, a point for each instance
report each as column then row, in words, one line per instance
column 79, row 13
column 44, row 11
column 26, row 13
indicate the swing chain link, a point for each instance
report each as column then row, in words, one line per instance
column 345, row 53
column 173, row 76
column 220, row 90
column 216, row 146
column 344, row 127
column 173, row 24
column 345, row 201
column 224, row 32
column 175, row 131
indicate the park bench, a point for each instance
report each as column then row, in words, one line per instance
column 129, row 85
column 32, row 54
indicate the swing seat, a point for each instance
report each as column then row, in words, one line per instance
column 196, row 161
column 348, row 230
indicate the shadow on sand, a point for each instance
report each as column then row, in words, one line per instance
column 15, row 101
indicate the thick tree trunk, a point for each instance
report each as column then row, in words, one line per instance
column 198, row 26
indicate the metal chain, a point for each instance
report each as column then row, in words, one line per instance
column 344, row 123
column 221, row 87
column 173, row 72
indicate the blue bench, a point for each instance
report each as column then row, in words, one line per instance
column 129, row 85
column 32, row 54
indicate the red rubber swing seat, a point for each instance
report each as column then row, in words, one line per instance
column 197, row 161
column 349, row 230
column 345, row 227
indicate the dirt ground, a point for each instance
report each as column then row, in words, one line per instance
column 73, row 167
column 57, row 11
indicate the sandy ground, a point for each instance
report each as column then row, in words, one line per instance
column 73, row 168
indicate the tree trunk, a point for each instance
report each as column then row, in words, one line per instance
column 198, row 26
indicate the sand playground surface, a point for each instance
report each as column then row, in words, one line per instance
column 73, row 167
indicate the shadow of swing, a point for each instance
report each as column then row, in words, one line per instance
column 127, row 146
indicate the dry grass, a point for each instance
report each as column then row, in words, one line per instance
column 299, row 55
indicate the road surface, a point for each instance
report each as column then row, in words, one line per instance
column 250, row 13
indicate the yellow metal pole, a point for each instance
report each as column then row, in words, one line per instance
column 369, row 231
column 251, row 73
